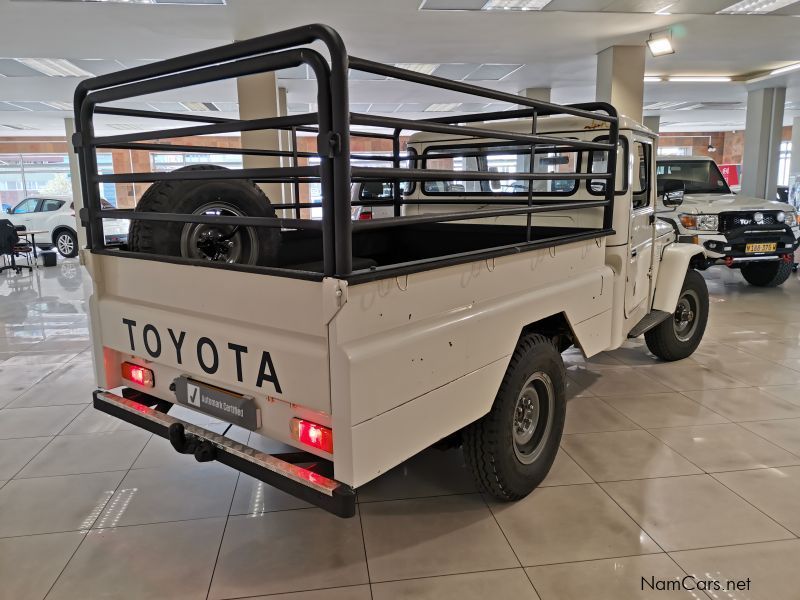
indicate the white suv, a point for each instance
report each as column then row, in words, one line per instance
column 755, row 235
column 56, row 216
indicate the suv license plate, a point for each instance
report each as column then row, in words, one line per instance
column 222, row 404
column 751, row 248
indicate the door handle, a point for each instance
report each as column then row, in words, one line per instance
column 634, row 252
column 652, row 219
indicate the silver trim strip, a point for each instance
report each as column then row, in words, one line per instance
column 303, row 476
column 755, row 258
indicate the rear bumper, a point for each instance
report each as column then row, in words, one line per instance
column 289, row 477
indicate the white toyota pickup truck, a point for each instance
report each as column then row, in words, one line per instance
column 757, row 236
column 362, row 342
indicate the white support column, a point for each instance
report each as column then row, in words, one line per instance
column 538, row 93
column 258, row 99
column 794, row 165
column 620, row 79
column 286, row 144
column 653, row 123
column 75, row 180
column 762, row 141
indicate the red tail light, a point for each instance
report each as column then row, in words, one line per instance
column 138, row 374
column 364, row 216
column 312, row 435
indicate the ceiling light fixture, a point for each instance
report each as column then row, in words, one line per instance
column 664, row 10
column 652, row 79
column 515, row 4
column 785, row 69
column 443, row 107
column 660, row 43
column 54, row 67
column 199, row 106
column 59, row 105
column 426, row 68
column 699, row 79
column 755, row 7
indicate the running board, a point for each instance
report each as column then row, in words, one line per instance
column 316, row 489
column 653, row 318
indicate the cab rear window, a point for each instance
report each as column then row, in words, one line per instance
column 498, row 159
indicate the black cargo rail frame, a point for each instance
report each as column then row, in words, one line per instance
column 333, row 125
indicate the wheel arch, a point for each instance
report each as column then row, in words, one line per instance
column 676, row 260
column 58, row 229
column 556, row 327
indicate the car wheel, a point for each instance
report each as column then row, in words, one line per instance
column 66, row 243
column 511, row 449
column 677, row 337
column 767, row 274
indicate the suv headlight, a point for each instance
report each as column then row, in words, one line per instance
column 792, row 219
column 700, row 222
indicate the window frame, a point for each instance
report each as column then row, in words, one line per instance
column 623, row 141
column 38, row 202
column 492, row 194
column 644, row 194
column 60, row 203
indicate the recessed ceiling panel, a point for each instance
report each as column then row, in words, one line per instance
column 11, row 68
column 452, row 4
column 34, row 106
column 383, row 107
column 362, row 76
column 492, row 72
column 455, row 71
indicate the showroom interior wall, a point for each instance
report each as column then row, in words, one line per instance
column 39, row 165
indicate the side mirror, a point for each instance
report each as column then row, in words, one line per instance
column 673, row 192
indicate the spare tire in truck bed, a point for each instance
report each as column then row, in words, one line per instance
column 217, row 243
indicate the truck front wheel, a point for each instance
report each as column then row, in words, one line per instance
column 511, row 449
column 677, row 337
column 767, row 274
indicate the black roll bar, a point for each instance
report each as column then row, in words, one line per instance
column 333, row 125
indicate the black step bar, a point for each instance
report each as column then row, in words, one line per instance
column 307, row 485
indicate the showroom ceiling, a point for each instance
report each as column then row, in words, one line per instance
column 505, row 48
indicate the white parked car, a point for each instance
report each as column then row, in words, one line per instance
column 757, row 236
column 56, row 216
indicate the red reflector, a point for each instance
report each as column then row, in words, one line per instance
column 364, row 216
column 137, row 374
column 312, row 435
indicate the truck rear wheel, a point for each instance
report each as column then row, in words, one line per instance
column 215, row 243
column 677, row 337
column 511, row 449
column 767, row 274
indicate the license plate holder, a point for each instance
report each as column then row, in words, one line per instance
column 218, row 403
column 760, row 248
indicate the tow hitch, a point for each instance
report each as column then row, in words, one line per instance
column 203, row 450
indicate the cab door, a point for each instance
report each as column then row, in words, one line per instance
column 640, row 232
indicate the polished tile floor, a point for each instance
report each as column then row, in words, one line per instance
column 665, row 470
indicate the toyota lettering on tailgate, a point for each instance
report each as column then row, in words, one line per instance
column 205, row 349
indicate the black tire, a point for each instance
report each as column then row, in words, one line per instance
column 503, row 464
column 767, row 274
column 249, row 245
column 677, row 337
column 66, row 242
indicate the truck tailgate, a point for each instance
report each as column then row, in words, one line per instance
column 254, row 334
